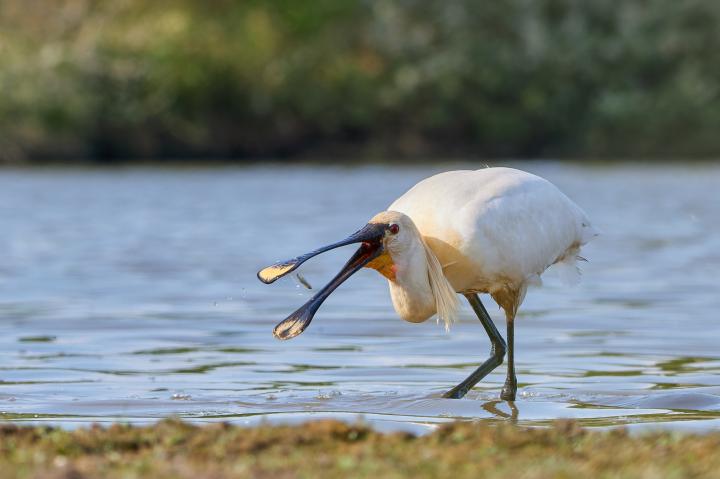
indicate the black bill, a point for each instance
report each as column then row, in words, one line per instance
column 371, row 238
column 370, row 233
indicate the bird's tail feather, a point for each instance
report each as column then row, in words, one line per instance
column 567, row 268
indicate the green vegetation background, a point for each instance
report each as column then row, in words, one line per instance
column 119, row 79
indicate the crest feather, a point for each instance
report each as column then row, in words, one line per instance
column 446, row 300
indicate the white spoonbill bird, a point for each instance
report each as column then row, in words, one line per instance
column 494, row 230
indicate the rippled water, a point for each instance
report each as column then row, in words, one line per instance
column 131, row 295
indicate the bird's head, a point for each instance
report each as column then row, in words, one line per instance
column 385, row 235
column 400, row 234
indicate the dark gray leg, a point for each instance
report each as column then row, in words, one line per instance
column 497, row 350
column 509, row 390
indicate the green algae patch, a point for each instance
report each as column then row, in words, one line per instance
column 173, row 449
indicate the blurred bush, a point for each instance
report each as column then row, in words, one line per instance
column 108, row 80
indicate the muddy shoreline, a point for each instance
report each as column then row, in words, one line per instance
column 172, row 448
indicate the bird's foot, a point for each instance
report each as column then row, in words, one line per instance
column 509, row 390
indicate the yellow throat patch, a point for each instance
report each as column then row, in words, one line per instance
column 384, row 265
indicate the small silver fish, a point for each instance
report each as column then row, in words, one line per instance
column 301, row 279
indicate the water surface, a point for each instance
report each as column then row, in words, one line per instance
column 131, row 295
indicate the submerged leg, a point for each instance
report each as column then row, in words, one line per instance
column 497, row 350
column 509, row 390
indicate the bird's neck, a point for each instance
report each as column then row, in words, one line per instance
column 411, row 293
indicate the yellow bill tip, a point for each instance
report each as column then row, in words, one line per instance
column 288, row 330
column 271, row 273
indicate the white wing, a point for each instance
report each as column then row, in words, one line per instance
column 495, row 225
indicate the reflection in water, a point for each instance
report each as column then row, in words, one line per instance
column 131, row 294
column 493, row 407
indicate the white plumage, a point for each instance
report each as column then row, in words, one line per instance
column 494, row 230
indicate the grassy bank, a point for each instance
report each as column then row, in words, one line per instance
column 105, row 80
column 333, row 449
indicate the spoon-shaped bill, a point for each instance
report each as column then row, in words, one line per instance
column 370, row 232
column 296, row 323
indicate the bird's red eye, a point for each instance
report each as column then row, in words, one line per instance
column 394, row 229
